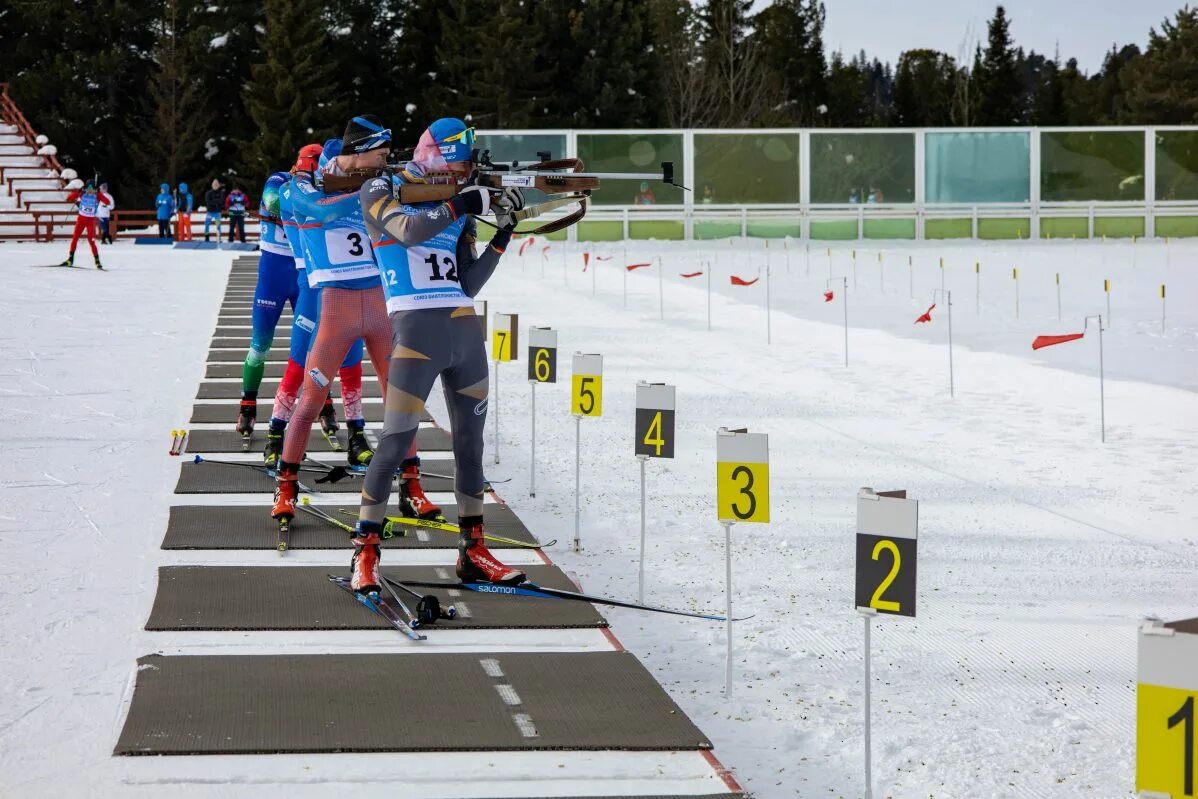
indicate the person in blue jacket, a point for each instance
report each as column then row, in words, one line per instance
column 165, row 205
column 184, row 203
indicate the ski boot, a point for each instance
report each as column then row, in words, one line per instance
column 98, row 266
column 328, row 426
column 246, row 416
column 359, row 453
column 70, row 261
column 286, row 492
column 412, row 501
column 274, row 446
column 364, row 566
column 476, row 564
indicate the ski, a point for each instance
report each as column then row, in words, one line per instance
column 534, row 590
column 428, row 606
column 328, row 429
column 246, row 440
column 332, row 439
column 447, row 527
column 413, row 621
column 374, row 603
column 284, row 535
column 258, row 467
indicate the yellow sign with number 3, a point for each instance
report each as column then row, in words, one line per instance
column 743, row 492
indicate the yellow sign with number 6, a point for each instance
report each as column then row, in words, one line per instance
column 742, row 476
column 586, row 385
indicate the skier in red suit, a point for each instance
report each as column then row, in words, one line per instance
column 88, row 199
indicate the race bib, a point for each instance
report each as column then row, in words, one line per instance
column 432, row 268
column 345, row 246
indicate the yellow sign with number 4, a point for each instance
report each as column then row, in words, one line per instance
column 742, row 476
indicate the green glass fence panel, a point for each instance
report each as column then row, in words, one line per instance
column 774, row 228
column 703, row 230
column 833, row 229
column 1118, row 227
column 663, row 229
column 600, row 231
column 634, row 152
column 973, row 167
column 746, row 169
column 948, row 228
column 1064, row 227
column 1004, row 228
column 1103, row 166
column 862, row 167
column 1176, row 226
column 888, row 229
column 1177, row 165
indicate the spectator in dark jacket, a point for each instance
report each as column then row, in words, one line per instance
column 214, row 203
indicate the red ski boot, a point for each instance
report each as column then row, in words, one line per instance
column 475, row 561
column 286, row 491
column 412, row 501
column 365, row 563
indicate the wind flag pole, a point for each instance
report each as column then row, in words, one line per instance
column 1058, row 296
column 927, row 317
column 1162, row 307
column 844, row 299
column 1048, row 341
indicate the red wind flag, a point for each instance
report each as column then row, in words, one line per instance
column 524, row 245
column 603, row 257
column 631, row 267
column 689, row 274
column 545, row 252
column 740, row 281
column 1048, row 341
column 827, row 296
column 926, row 316
column 586, row 259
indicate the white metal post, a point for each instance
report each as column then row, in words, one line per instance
column 661, row 288
column 1058, row 296
column 948, row 301
column 641, row 580
column 495, row 404
column 532, row 466
column 1101, row 379
column 867, row 615
column 625, row 278
column 911, row 276
column 577, row 487
column 768, row 325
column 728, row 607
column 594, row 277
column 710, row 268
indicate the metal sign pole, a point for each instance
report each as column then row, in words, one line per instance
column 728, row 606
column 845, row 295
column 709, row 270
column 951, row 382
column 577, row 470
column 867, row 615
column 641, row 582
column 1101, row 378
column 532, row 465
column 496, row 404
column 661, row 288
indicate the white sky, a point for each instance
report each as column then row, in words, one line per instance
column 1084, row 29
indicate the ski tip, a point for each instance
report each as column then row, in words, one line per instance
column 305, row 500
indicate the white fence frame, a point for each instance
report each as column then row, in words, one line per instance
column 805, row 211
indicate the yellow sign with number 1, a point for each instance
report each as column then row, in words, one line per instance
column 586, row 385
column 1167, row 709
column 742, row 476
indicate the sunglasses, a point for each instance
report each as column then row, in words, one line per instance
column 466, row 137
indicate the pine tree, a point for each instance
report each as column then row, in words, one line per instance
column 680, row 81
column 1048, row 97
column 848, row 93
column 1000, row 92
column 736, row 81
column 923, row 89
column 167, row 139
column 291, row 94
column 613, row 77
column 363, row 39
column 791, row 33
column 1163, row 84
column 418, row 69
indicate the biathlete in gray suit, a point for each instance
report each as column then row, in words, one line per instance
column 425, row 254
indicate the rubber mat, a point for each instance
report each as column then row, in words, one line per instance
column 250, row 527
column 267, row 704
column 219, row 478
column 230, row 598
column 428, row 439
column 238, row 355
column 226, row 411
column 281, row 339
column 273, row 370
column 232, row 390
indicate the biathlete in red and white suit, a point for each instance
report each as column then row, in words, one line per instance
column 88, row 199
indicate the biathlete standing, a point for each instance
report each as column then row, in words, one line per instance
column 88, row 199
column 430, row 273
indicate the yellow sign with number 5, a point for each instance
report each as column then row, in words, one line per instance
column 742, row 477
column 586, row 385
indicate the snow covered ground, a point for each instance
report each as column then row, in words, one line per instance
column 1040, row 547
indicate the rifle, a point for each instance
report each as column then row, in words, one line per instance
column 563, row 179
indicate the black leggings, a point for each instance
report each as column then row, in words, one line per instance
column 237, row 222
column 428, row 343
column 164, row 228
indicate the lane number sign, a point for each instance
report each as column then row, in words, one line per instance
column 504, row 331
column 542, row 355
column 1167, row 709
column 742, row 476
column 654, row 422
column 586, row 385
column 887, row 529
